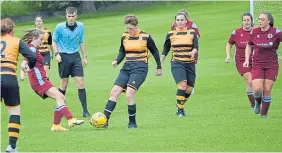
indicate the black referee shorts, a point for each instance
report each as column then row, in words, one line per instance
column 70, row 66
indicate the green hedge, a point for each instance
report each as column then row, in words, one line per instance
column 19, row 8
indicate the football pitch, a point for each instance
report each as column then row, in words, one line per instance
column 219, row 117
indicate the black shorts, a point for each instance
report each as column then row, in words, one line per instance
column 70, row 65
column 184, row 72
column 47, row 58
column 10, row 90
column 132, row 75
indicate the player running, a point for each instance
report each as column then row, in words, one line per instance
column 240, row 38
column 264, row 41
column 184, row 45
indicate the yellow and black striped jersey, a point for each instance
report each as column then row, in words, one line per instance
column 10, row 48
column 181, row 43
column 136, row 48
column 46, row 41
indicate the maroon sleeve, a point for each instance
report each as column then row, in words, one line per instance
column 197, row 32
column 232, row 38
column 193, row 25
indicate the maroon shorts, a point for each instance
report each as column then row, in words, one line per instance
column 242, row 70
column 266, row 73
column 41, row 87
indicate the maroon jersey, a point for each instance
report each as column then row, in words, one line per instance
column 37, row 75
column 189, row 24
column 265, row 47
column 240, row 38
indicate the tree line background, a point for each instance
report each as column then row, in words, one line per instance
column 19, row 8
column 21, row 11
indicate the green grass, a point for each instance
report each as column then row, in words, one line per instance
column 219, row 115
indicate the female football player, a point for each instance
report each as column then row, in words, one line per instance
column 189, row 24
column 46, row 49
column 264, row 41
column 240, row 38
column 184, row 44
column 42, row 86
column 10, row 49
column 134, row 47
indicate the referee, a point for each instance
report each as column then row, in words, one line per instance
column 68, row 39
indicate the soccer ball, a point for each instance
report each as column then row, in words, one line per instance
column 98, row 120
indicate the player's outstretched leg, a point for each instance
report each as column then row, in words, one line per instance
column 111, row 104
column 61, row 110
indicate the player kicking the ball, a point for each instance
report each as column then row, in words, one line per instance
column 40, row 84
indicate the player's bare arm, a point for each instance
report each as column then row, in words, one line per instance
column 56, row 52
column 247, row 55
column 82, row 47
column 228, row 51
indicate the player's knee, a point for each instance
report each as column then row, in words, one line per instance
column 64, row 84
column 249, row 85
column 257, row 90
column 114, row 93
column 130, row 92
column 80, row 83
column 15, row 110
column 267, row 89
column 129, row 96
column 189, row 89
column 182, row 85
